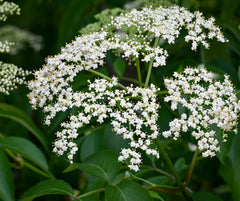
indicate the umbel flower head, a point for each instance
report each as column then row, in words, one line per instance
column 132, row 111
column 129, row 118
column 210, row 105
column 20, row 39
column 7, row 8
column 10, row 75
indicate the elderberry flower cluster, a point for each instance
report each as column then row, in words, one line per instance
column 133, row 114
column 167, row 23
column 8, row 8
column 10, row 76
column 131, row 110
column 208, row 103
column 88, row 51
column 19, row 38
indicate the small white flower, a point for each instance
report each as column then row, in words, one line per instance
column 211, row 103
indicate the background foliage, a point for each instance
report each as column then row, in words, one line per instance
column 58, row 22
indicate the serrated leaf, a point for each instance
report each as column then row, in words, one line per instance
column 6, row 179
column 25, row 148
column 48, row 187
column 127, row 191
column 119, row 66
column 19, row 116
column 103, row 164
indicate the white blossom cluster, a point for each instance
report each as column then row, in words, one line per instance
column 53, row 82
column 10, row 76
column 8, row 8
column 19, row 38
column 168, row 22
column 132, row 112
column 209, row 103
column 86, row 52
column 5, row 46
column 52, row 88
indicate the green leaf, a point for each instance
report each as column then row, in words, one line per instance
column 161, row 180
column 155, row 195
column 226, row 67
column 48, row 187
column 93, row 143
column 110, row 136
column 89, row 198
column 127, row 191
column 25, row 148
column 19, row 116
column 206, row 196
column 119, row 66
column 181, row 167
column 74, row 18
column 224, row 146
column 6, row 179
column 180, row 164
column 230, row 170
column 103, row 164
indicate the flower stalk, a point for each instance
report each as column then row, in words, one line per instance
column 139, row 72
column 151, row 63
column 191, row 167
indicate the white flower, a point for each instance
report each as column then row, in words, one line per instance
column 133, row 118
column 209, row 103
column 10, row 77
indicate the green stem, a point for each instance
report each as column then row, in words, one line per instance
column 141, row 179
column 139, row 72
column 151, row 63
column 91, row 193
column 22, row 163
column 162, row 92
column 238, row 92
column 202, row 54
column 159, row 171
column 152, row 185
column 175, row 173
column 164, row 173
column 169, row 162
column 191, row 167
column 162, row 189
column 130, row 79
column 106, row 77
column 35, row 169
